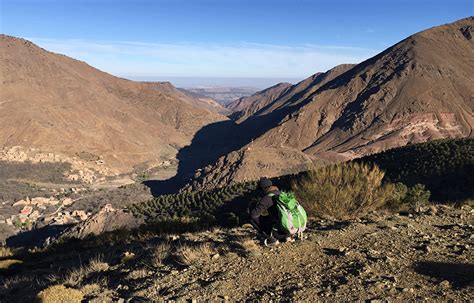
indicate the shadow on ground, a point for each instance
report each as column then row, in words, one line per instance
column 458, row 274
column 35, row 237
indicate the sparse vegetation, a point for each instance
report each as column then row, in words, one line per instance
column 160, row 253
column 17, row 178
column 40, row 172
column 248, row 246
column 206, row 206
column 6, row 264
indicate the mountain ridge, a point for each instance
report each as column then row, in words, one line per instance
column 62, row 105
column 414, row 91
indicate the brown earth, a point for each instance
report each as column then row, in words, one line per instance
column 61, row 105
column 379, row 258
column 420, row 89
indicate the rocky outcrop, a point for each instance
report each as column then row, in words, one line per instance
column 105, row 220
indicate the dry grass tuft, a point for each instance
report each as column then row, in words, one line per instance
column 75, row 276
column 97, row 264
column 5, row 252
column 160, row 253
column 16, row 282
column 60, row 294
column 187, row 255
column 248, row 246
column 138, row 274
column 91, row 289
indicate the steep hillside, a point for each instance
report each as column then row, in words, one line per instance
column 418, row 90
column 63, row 106
column 247, row 106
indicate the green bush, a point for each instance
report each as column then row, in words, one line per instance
column 343, row 191
column 408, row 199
column 417, row 196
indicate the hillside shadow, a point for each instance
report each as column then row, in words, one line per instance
column 458, row 274
column 209, row 144
column 35, row 237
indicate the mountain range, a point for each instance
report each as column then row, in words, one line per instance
column 417, row 90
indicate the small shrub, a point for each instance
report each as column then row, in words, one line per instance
column 97, row 265
column 399, row 192
column 5, row 252
column 417, row 196
column 160, row 253
column 343, row 191
column 127, row 256
column 60, row 294
column 408, row 199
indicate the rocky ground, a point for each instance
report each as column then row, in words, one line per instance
column 380, row 258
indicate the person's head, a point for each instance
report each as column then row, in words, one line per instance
column 264, row 184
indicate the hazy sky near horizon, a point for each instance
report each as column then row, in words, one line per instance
column 212, row 39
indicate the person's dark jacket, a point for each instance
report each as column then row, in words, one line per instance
column 265, row 205
column 264, row 214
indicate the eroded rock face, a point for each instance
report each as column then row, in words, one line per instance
column 107, row 219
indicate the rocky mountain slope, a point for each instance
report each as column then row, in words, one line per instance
column 382, row 257
column 60, row 105
column 246, row 106
column 420, row 89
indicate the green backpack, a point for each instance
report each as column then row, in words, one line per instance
column 291, row 214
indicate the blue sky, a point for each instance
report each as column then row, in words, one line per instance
column 212, row 39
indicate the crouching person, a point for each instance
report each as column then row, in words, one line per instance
column 277, row 216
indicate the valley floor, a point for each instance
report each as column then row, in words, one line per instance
column 380, row 258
